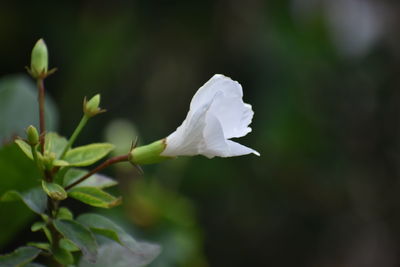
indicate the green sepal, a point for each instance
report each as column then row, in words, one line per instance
column 94, row 196
column 148, row 154
column 35, row 199
column 54, row 191
column 87, row 155
column 80, row 236
column 19, row 257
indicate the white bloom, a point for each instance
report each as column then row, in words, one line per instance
column 217, row 113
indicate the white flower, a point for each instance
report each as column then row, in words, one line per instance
column 217, row 113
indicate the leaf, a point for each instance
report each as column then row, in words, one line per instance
column 80, row 236
column 54, row 191
column 68, row 245
column 19, row 107
column 140, row 252
column 18, row 173
column 55, row 143
column 38, row 226
column 96, row 180
column 115, row 255
column 87, row 155
column 35, row 199
column 64, row 213
column 63, row 256
column 33, row 264
column 25, row 147
column 43, row 246
column 19, row 257
column 94, row 196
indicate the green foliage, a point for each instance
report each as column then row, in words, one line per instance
column 25, row 147
column 127, row 248
column 79, row 236
column 94, row 196
column 55, row 143
column 95, row 180
column 63, row 256
column 35, row 199
column 18, row 97
column 19, row 257
column 87, row 155
column 54, row 191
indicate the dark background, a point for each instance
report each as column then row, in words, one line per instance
column 322, row 77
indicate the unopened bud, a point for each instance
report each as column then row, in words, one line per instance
column 91, row 107
column 39, row 60
column 32, row 135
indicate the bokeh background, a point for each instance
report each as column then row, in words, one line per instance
column 322, row 77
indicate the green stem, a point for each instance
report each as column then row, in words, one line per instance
column 99, row 168
column 75, row 134
column 42, row 124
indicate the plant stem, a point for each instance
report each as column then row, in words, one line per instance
column 75, row 134
column 42, row 124
column 99, row 168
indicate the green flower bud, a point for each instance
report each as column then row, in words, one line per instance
column 32, row 135
column 148, row 154
column 91, row 107
column 39, row 60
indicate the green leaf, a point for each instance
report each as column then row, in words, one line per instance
column 18, row 173
column 43, row 246
column 94, row 196
column 38, row 226
column 54, row 191
column 35, row 199
column 55, row 143
column 60, row 163
column 68, row 245
column 112, row 253
column 63, row 256
column 96, row 180
column 25, row 147
column 64, row 213
column 87, row 155
column 19, row 257
column 80, row 236
column 19, row 106
column 33, row 264
column 105, row 227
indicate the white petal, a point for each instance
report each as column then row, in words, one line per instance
column 217, row 83
column 233, row 114
column 186, row 139
column 214, row 143
column 236, row 149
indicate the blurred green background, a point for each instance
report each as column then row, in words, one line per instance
column 322, row 77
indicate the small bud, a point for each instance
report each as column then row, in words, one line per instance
column 91, row 107
column 148, row 154
column 32, row 135
column 39, row 60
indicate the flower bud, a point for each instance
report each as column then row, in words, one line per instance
column 148, row 154
column 32, row 135
column 39, row 60
column 91, row 107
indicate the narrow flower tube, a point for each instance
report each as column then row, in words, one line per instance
column 217, row 113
